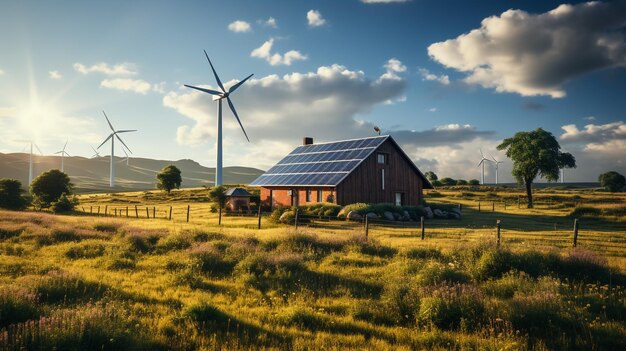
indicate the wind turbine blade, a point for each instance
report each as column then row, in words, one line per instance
column 66, row 154
column 105, row 140
column 208, row 91
column 125, row 152
column 234, row 87
column 38, row 149
column 122, row 141
column 479, row 163
column 219, row 82
column 109, row 122
column 58, row 152
column 65, row 145
column 126, row 131
column 481, row 153
column 232, row 108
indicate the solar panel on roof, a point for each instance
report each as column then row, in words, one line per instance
column 324, row 164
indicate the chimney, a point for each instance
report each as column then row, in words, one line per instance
column 307, row 141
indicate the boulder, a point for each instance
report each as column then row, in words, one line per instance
column 388, row 216
column 397, row 216
column 354, row 216
column 428, row 212
column 287, row 217
column 454, row 215
column 371, row 215
column 440, row 214
column 456, row 210
column 405, row 218
column 406, row 214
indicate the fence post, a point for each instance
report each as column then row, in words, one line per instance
column 83, row 209
column 147, row 212
column 422, row 226
column 106, row 213
column 493, row 206
column 136, row 212
column 98, row 210
column 188, row 206
column 575, row 232
column 505, row 205
column 498, row 231
column 90, row 209
column 518, row 202
column 115, row 213
column 259, row 224
column 154, row 212
column 478, row 206
column 170, row 217
column 219, row 217
column 126, row 211
column 296, row 218
column 367, row 227
column 460, row 207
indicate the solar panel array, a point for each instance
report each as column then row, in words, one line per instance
column 319, row 164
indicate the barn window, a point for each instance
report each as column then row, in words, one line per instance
column 382, row 159
column 319, row 195
column 382, row 178
column 308, row 195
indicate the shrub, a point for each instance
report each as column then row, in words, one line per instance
column 401, row 300
column 358, row 207
column 436, row 272
column 64, row 204
column 275, row 216
column 612, row 181
column 509, row 284
column 143, row 240
column 492, row 264
column 85, row 251
column 109, row 227
column 473, row 182
column 171, row 242
column 11, row 194
column 208, row 259
column 461, row 182
column 452, row 307
column 447, row 181
column 266, row 271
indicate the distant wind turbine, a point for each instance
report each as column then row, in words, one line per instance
column 112, row 136
column 30, row 159
column 63, row 154
column 124, row 159
column 497, row 163
column 482, row 163
column 219, row 96
column 96, row 153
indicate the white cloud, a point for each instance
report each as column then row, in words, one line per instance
column 270, row 22
column 135, row 85
column 382, row 1
column 597, row 133
column 426, row 75
column 394, row 65
column 590, row 118
column 121, row 69
column 55, row 75
column 265, row 52
column 432, row 109
column 239, row 26
column 536, row 54
column 315, row 19
column 159, row 87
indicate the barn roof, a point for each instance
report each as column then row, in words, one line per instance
column 324, row 164
column 237, row 192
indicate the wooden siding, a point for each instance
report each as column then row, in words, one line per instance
column 280, row 196
column 364, row 183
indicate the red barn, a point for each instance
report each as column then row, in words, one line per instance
column 370, row 170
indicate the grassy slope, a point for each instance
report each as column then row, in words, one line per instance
column 200, row 285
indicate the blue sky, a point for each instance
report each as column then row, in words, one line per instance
column 445, row 78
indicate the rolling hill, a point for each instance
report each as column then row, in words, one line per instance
column 92, row 174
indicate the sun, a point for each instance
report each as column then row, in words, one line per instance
column 36, row 120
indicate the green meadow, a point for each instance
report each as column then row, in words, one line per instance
column 86, row 281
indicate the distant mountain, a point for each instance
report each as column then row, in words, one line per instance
column 92, row 174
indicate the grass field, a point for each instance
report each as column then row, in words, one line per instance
column 117, row 283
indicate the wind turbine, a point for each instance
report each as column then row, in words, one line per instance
column 497, row 163
column 112, row 136
column 30, row 159
column 124, row 160
column 482, row 163
column 219, row 96
column 63, row 154
column 96, row 153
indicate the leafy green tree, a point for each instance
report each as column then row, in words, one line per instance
column 535, row 153
column 461, row 182
column 436, row 183
column 612, row 181
column 11, row 194
column 48, row 187
column 64, row 204
column 473, row 182
column 430, row 175
column 447, row 181
column 169, row 178
column 217, row 194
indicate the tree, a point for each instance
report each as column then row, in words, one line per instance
column 11, row 194
column 447, row 181
column 431, row 176
column 612, row 181
column 169, row 178
column 535, row 153
column 64, row 204
column 48, row 187
column 461, row 182
column 473, row 182
column 218, row 195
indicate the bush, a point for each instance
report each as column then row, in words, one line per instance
column 64, row 204
column 473, row 182
column 11, row 194
column 143, row 240
column 447, row 181
column 612, row 181
column 436, row 272
column 85, row 251
column 49, row 186
column 452, row 307
column 461, row 182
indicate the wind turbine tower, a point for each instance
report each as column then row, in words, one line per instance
column 219, row 96
column 496, row 163
column 63, row 154
column 482, row 163
column 30, row 158
column 112, row 136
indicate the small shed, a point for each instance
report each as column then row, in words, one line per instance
column 238, row 199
